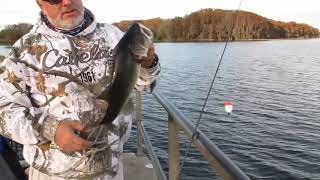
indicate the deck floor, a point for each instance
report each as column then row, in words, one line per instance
column 137, row 168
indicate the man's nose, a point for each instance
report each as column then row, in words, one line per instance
column 66, row 2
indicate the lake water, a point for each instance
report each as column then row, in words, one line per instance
column 273, row 132
column 4, row 50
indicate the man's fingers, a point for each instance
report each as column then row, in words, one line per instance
column 66, row 138
column 76, row 125
column 150, row 55
column 151, row 49
column 76, row 144
column 81, row 142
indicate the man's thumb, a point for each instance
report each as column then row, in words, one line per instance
column 76, row 125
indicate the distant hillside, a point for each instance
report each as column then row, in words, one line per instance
column 12, row 33
column 214, row 24
column 202, row 25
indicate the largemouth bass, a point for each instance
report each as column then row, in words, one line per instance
column 136, row 42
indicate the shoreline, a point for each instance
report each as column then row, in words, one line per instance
column 9, row 45
column 238, row 40
column 5, row 43
column 1, row 58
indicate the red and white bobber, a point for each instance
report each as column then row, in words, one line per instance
column 228, row 106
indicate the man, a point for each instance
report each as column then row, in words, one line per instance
column 48, row 98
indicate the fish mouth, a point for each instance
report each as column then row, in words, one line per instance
column 146, row 31
column 141, row 41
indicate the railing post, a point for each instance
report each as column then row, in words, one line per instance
column 138, row 120
column 174, row 149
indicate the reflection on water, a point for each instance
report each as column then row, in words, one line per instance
column 4, row 50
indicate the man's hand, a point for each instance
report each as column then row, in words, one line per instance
column 148, row 61
column 66, row 138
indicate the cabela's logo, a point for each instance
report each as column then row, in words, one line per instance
column 53, row 58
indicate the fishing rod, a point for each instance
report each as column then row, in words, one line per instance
column 195, row 133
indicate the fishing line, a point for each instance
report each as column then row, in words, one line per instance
column 195, row 133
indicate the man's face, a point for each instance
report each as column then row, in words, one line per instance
column 67, row 14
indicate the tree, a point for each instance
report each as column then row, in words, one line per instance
column 12, row 33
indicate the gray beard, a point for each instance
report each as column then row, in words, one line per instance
column 63, row 25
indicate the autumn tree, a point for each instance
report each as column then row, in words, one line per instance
column 12, row 33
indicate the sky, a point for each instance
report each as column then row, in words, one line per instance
column 302, row 11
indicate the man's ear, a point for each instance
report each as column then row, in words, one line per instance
column 39, row 3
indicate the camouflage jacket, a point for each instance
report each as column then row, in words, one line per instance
column 48, row 77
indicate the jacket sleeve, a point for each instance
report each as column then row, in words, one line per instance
column 148, row 77
column 19, row 119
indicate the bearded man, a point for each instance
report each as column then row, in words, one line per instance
column 49, row 84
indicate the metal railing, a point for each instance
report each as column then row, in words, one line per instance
column 177, row 122
column 142, row 134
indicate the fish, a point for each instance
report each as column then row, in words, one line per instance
column 136, row 42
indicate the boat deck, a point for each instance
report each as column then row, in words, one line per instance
column 138, row 168
column 135, row 168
